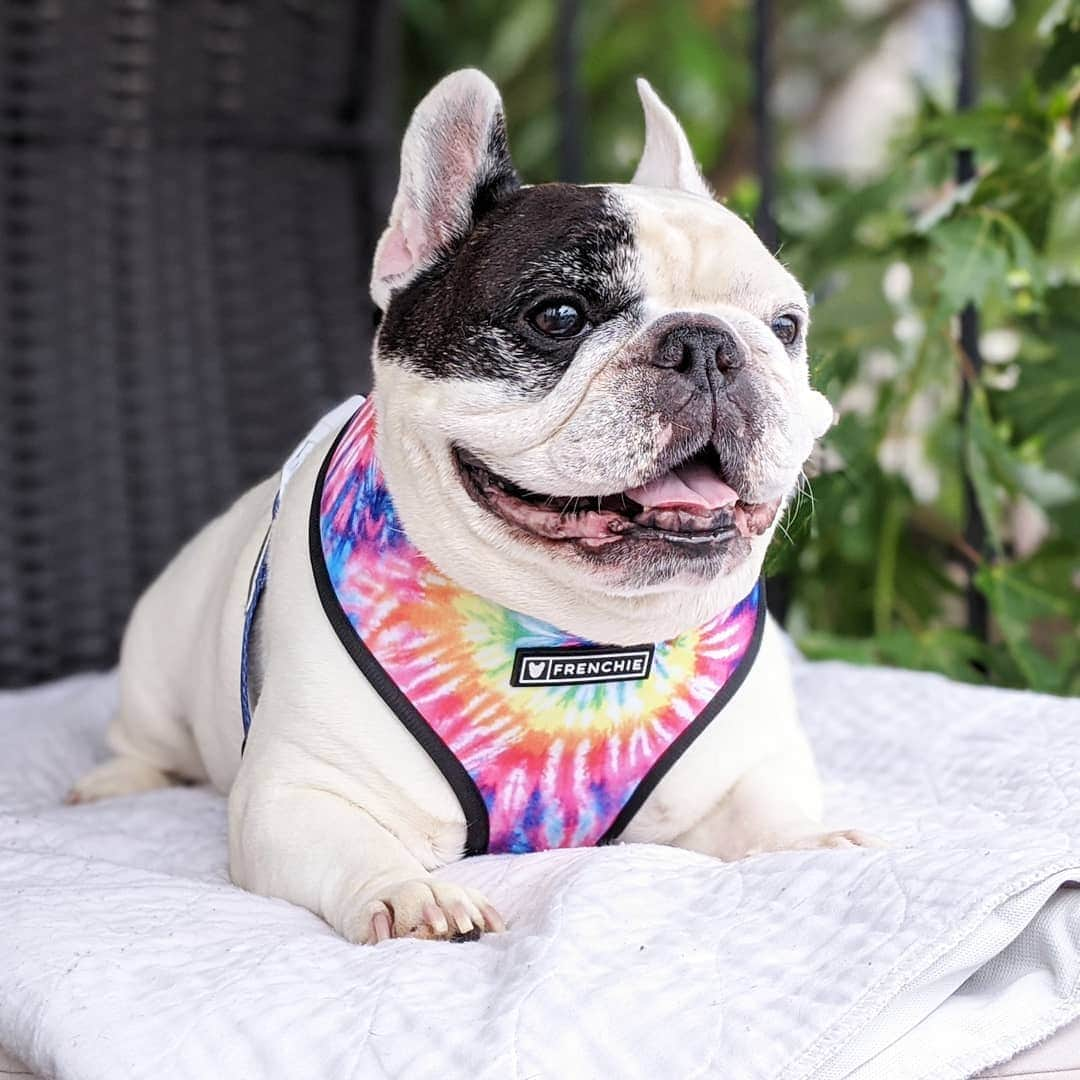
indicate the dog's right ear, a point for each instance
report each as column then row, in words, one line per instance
column 455, row 164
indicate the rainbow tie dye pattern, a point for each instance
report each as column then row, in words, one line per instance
column 534, row 767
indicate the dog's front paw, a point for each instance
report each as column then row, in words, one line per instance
column 836, row 838
column 421, row 908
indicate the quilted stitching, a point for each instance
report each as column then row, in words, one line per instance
column 125, row 951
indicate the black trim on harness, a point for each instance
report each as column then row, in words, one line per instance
column 477, row 826
column 685, row 738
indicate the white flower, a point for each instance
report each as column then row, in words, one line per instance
column 880, row 365
column 909, row 328
column 892, row 453
column 999, row 346
column 923, row 410
column 859, row 398
column 923, row 480
column 1028, row 525
column 1062, row 139
column 903, row 455
column 995, row 13
column 1002, row 378
column 896, row 284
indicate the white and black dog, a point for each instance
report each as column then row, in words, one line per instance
column 591, row 405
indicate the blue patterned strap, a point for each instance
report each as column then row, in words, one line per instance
column 331, row 423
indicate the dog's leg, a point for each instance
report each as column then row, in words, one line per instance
column 152, row 747
column 118, row 776
column 319, row 850
column 775, row 806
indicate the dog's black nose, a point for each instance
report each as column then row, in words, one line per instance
column 691, row 347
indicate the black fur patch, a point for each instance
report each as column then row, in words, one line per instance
column 465, row 317
column 500, row 178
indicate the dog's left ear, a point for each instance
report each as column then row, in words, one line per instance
column 667, row 160
column 455, row 164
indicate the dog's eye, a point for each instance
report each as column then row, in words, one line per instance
column 786, row 328
column 558, row 320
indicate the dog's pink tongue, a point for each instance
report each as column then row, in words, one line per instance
column 688, row 485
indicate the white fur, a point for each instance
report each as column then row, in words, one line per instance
column 335, row 806
column 443, row 150
column 697, row 256
column 667, row 160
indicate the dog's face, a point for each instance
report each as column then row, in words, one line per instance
column 605, row 386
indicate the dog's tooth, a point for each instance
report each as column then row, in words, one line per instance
column 681, row 520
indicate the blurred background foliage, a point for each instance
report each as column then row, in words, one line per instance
column 873, row 554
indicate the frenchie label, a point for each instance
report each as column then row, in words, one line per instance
column 586, row 664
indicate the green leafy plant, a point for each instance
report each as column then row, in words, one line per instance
column 878, row 571
column 873, row 554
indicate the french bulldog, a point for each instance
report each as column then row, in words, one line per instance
column 591, row 405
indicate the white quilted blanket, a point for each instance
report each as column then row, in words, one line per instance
column 125, row 952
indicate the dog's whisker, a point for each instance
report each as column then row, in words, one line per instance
column 806, row 491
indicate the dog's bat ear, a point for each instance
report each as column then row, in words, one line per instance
column 455, row 164
column 667, row 160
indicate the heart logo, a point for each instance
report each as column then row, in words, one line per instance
column 536, row 668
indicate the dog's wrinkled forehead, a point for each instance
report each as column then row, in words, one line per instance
column 696, row 254
column 460, row 317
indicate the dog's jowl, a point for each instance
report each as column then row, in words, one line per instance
column 511, row 601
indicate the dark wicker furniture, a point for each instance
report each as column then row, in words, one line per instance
column 189, row 193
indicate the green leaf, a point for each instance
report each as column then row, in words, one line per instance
column 1045, row 486
column 949, row 652
column 985, row 255
column 985, row 454
column 1038, row 624
column 974, row 266
column 1063, row 55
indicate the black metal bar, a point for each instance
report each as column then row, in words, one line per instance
column 372, row 114
column 764, row 133
column 382, row 22
column 779, row 591
column 978, row 614
column 571, row 105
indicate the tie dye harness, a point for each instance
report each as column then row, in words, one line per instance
column 547, row 740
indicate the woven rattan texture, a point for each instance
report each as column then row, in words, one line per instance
column 185, row 221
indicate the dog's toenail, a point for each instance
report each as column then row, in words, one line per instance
column 468, row 935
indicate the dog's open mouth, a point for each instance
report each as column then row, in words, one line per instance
column 690, row 504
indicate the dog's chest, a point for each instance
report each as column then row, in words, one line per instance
column 546, row 740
